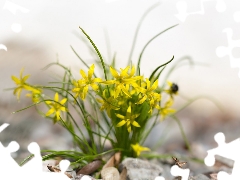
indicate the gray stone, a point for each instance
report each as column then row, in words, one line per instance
column 138, row 169
column 110, row 173
column 199, row 177
column 83, row 177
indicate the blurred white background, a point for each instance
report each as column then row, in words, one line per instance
column 50, row 27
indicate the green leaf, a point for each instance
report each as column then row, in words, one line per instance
column 151, row 76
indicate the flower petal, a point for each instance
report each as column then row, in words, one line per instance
column 155, row 85
column 16, row 80
column 142, row 100
column 124, row 72
column 50, row 111
column 97, row 80
column 94, row 86
column 108, row 82
column 117, row 91
column 132, row 72
column 120, row 116
column 134, row 123
column 121, row 123
column 25, row 78
column 83, row 74
column 125, row 91
column 63, row 101
column 129, row 109
column 56, row 97
column 91, row 71
column 58, row 115
column 114, row 72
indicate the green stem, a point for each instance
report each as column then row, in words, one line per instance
column 98, row 52
column 182, row 132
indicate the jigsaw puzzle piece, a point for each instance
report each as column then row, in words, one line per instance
column 3, row 126
column 182, row 9
column 227, row 150
column 8, row 164
column 236, row 16
column 13, row 8
column 176, row 171
column 224, row 51
column 34, row 164
column 159, row 178
column 221, row 6
column 64, row 164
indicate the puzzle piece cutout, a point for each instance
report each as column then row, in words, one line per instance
column 222, row 51
column 32, row 169
column 236, row 16
column 86, row 178
column 14, row 8
column 177, row 171
column 3, row 126
column 2, row 46
column 227, row 150
column 159, row 178
column 182, row 9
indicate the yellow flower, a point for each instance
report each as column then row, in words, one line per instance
column 154, row 103
column 78, row 89
column 129, row 119
column 56, row 107
column 35, row 95
column 148, row 92
column 173, row 88
column 166, row 110
column 123, row 79
column 107, row 103
column 21, row 84
column 81, row 86
column 138, row 149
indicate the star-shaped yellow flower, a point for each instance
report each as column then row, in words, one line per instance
column 21, row 84
column 35, row 95
column 56, row 107
column 122, row 79
column 108, row 103
column 82, row 85
column 138, row 149
column 129, row 119
column 148, row 92
column 166, row 110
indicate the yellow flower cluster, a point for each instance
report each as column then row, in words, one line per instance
column 124, row 94
column 81, row 86
column 35, row 94
column 123, row 98
column 22, row 85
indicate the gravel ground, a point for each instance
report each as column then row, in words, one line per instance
column 199, row 129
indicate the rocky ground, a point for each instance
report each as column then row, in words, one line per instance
column 200, row 131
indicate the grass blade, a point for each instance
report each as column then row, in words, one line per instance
column 140, row 56
column 159, row 67
column 98, row 52
column 137, row 30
